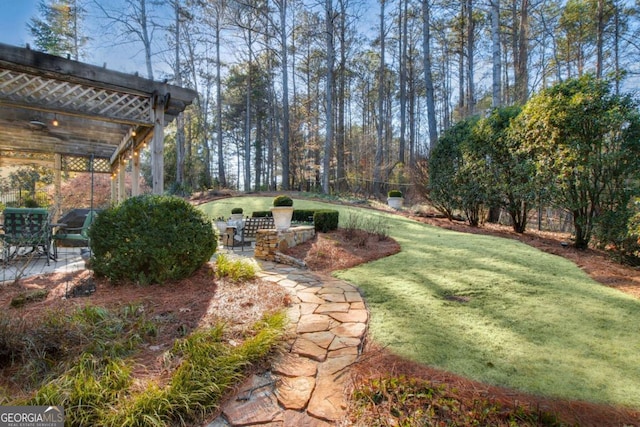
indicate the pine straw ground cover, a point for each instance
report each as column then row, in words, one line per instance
column 140, row 347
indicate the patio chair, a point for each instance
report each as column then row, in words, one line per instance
column 26, row 228
column 74, row 235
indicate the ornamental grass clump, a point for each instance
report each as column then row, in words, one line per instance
column 151, row 239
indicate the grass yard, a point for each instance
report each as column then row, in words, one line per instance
column 494, row 310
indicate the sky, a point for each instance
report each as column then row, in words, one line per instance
column 13, row 20
column 16, row 14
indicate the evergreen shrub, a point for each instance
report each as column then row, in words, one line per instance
column 395, row 193
column 237, row 211
column 325, row 220
column 282, row 200
column 151, row 239
column 303, row 215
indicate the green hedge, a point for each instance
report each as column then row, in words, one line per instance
column 303, row 215
column 261, row 214
column 150, row 239
column 325, row 220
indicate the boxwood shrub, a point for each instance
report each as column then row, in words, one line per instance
column 303, row 215
column 151, row 239
column 325, row 220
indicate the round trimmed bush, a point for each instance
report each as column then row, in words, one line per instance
column 236, row 210
column 151, row 239
column 282, row 200
column 395, row 193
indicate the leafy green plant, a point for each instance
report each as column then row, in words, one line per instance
column 237, row 211
column 282, row 200
column 151, row 239
column 237, row 270
column 586, row 142
column 394, row 193
column 450, row 187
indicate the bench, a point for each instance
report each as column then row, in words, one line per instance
column 252, row 225
column 26, row 228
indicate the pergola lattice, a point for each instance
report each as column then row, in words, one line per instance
column 80, row 117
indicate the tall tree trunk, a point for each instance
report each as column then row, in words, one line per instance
column 616, row 46
column 284, row 149
column 377, row 171
column 599, row 37
column 428, row 76
column 522, row 59
column 247, row 123
column 496, row 92
column 222, row 178
column 342, row 77
column 402, row 29
column 146, row 39
column 471, row 27
column 180, row 148
column 328, row 142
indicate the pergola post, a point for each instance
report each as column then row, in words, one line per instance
column 157, row 143
column 135, row 174
column 122, row 173
column 57, row 184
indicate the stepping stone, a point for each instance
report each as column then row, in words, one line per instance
column 346, row 351
column 328, row 400
column 353, row 296
column 333, row 307
column 286, row 283
column 308, row 308
column 333, row 297
column 309, row 349
column 309, row 297
column 323, row 339
column 302, row 419
column 342, row 342
column 292, row 365
column 294, row 393
column 261, row 406
column 331, row 290
column 352, row 316
column 314, row 323
column 353, row 330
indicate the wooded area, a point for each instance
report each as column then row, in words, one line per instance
column 341, row 95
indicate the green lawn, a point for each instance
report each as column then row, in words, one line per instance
column 533, row 321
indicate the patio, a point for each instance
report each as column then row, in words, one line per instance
column 69, row 260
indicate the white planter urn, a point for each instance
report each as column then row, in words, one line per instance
column 236, row 217
column 395, row 202
column 282, row 217
column 222, row 226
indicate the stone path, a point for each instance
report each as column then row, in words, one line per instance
column 306, row 384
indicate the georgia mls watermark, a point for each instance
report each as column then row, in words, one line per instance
column 31, row 416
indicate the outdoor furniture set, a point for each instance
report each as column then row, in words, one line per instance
column 243, row 231
column 29, row 231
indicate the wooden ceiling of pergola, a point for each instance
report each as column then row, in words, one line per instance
column 100, row 113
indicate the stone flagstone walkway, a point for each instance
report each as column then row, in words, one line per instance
column 306, row 385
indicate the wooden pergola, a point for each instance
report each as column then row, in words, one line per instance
column 78, row 117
